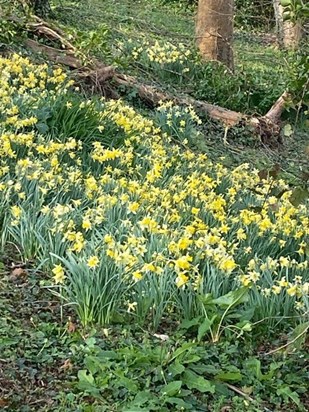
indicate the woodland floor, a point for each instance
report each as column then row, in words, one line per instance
column 42, row 345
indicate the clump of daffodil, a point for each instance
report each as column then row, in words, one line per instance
column 150, row 208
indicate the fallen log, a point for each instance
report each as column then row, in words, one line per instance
column 97, row 74
column 64, row 57
column 268, row 126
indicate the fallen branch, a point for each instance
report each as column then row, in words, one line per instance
column 58, row 56
column 288, row 343
column 97, row 74
column 275, row 112
column 51, row 34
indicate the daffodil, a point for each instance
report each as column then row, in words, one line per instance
column 93, row 262
column 59, row 276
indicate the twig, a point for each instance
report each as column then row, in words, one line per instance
column 288, row 343
column 245, row 395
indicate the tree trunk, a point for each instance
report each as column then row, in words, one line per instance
column 214, row 30
column 288, row 32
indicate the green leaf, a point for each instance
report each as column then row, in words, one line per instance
column 185, row 347
column 179, row 402
column 85, row 377
column 287, row 393
column 141, row 398
column 194, row 381
column 285, row 3
column 191, row 358
column 233, row 298
column 172, row 388
column 176, row 368
column 42, row 127
column 203, row 328
column 254, row 365
column 229, row 376
column 187, row 324
column 108, row 354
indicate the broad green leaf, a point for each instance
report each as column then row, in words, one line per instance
column 176, row 368
column 185, row 347
column 201, row 369
column 288, row 393
column 42, row 127
column 232, row 298
column 172, row 388
column 85, row 377
column 194, row 381
column 254, row 365
column 191, row 358
column 229, row 376
column 108, row 354
column 187, row 324
column 141, row 398
column 203, row 328
column 179, row 402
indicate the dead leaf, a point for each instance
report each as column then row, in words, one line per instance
column 161, row 337
column 3, row 402
column 71, row 327
column 18, row 273
column 66, row 365
column 274, row 172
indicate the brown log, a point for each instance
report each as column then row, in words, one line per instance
column 153, row 96
column 275, row 112
column 98, row 73
column 58, row 56
column 46, row 31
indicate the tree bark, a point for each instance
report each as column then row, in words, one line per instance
column 214, row 30
column 289, row 33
